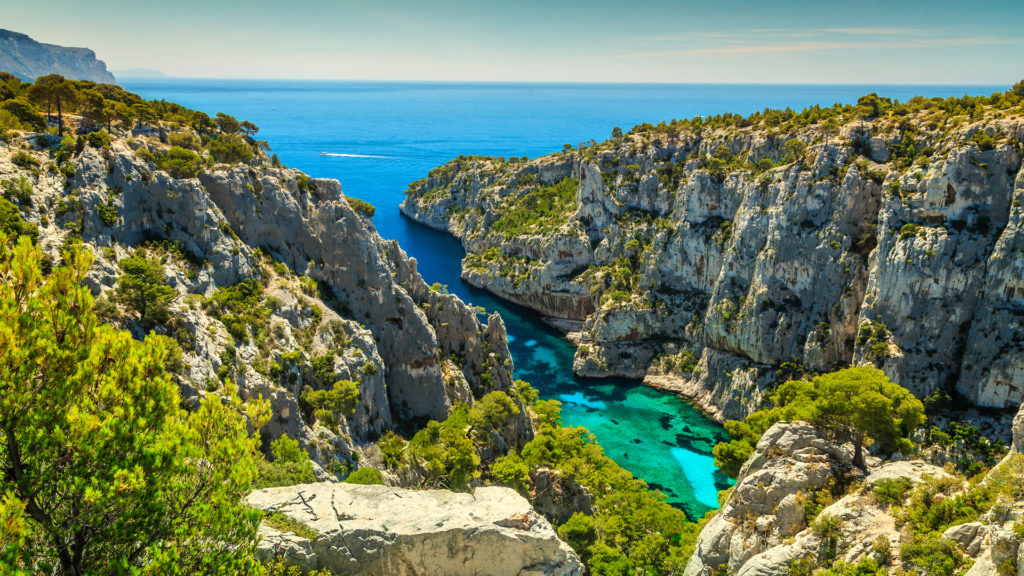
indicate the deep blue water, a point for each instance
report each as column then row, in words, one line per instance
column 385, row 135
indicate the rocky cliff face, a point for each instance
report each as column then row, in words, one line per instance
column 332, row 299
column 28, row 59
column 718, row 259
column 369, row 530
column 766, row 526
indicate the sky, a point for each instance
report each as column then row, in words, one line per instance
column 728, row 41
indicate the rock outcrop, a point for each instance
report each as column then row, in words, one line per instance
column 763, row 527
column 372, row 530
column 719, row 259
column 28, row 59
column 333, row 301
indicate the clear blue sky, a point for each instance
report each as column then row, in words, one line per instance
column 799, row 41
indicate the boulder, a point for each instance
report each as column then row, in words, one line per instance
column 558, row 497
column 376, row 529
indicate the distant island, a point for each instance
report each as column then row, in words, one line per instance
column 28, row 59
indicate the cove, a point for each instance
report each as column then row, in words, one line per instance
column 377, row 137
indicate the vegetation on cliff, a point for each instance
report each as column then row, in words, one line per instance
column 102, row 469
column 766, row 246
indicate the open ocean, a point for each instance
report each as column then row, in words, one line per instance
column 380, row 136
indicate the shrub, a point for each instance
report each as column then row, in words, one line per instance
column 892, row 491
column 230, row 149
column 291, row 465
column 342, row 398
column 365, row 475
column 25, row 113
column 177, row 162
column 12, row 224
column 24, row 160
column 361, row 206
column 19, row 191
column 98, row 139
column 142, row 287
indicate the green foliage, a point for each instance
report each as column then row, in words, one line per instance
column 104, row 472
column 392, row 448
column 291, row 465
column 828, row 529
column 510, row 470
column 730, row 456
column 445, row 452
column 935, row 505
column 24, row 114
column 365, row 475
column 227, row 123
column 342, row 398
column 12, row 224
column 230, row 149
column 361, row 206
column 489, row 414
column 179, row 162
column 633, row 529
column 892, row 491
column 984, row 141
column 18, row 191
column 241, row 308
column 859, row 405
column 539, row 210
column 98, row 139
column 24, row 160
column 285, row 524
column 142, row 287
column 932, row 555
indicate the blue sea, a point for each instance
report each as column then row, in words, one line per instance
column 380, row 136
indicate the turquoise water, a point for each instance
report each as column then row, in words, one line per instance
column 380, row 136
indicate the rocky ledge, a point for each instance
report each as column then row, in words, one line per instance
column 357, row 530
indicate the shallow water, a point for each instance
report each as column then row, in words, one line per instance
column 379, row 136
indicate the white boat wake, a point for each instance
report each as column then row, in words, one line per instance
column 340, row 155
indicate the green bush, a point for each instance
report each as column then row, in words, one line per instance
column 18, row 191
column 12, row 224
column 291, row 465
column 342, row 398
column 177, row 161
column 365, row 475
column 230, row 149
column 98, row 139
column 892, row 491
column 24, row 160
column 142, row 287
column 25, row 113
column 361, row 206
column 241, row 308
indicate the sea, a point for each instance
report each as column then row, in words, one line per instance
column 377, row 137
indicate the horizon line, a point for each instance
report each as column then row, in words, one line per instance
column 568, row 82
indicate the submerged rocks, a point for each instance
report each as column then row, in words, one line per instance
column 373, row 530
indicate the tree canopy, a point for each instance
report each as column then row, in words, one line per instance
column 101, row 470
column 858, row 405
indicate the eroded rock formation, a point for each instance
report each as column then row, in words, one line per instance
column 371, row 530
